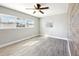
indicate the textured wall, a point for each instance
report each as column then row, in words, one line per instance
column 74, row 29
column 74, row 44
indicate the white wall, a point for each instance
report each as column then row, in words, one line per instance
column 9, row 35
column 59, row 28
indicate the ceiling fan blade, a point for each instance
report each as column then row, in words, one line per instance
column 35, row 7
column 38, row 6
column 34, row 12
column 44, row 8
column 41, row 12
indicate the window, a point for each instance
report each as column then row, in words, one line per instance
column 20, row 22
column 30, row 23
column 10, row 22
column 7, row 21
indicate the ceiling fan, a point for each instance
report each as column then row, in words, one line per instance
column 39, row 8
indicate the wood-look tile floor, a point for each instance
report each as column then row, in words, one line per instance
column 37, row 46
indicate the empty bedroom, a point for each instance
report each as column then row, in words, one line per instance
column 39, row 29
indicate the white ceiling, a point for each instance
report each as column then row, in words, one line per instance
column 54, row 8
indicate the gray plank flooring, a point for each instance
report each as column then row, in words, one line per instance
column 37, row 46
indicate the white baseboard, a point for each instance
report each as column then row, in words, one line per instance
column 58, row 37
column 9, row 43
column 68, row 48
column 54, row 37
